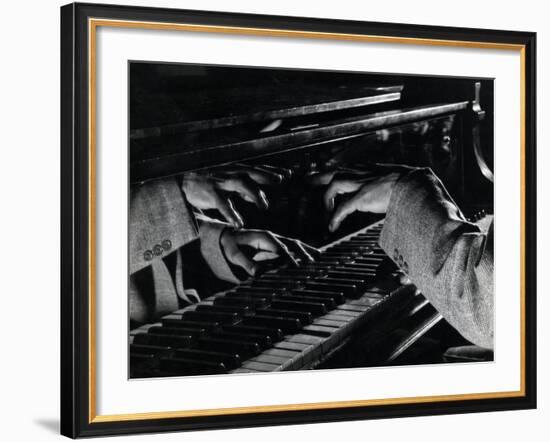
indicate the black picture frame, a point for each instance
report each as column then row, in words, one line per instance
column 76, row 404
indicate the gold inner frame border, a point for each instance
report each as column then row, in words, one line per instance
column 93, row 24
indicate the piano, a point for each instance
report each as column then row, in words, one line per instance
column 348, row 308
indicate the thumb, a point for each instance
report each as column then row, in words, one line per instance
column 238, row 258
column 341, row 213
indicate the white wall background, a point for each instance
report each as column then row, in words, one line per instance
column 29, row 189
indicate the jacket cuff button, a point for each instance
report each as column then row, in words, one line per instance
column 148, row 255
column 166, row 244
column 157, row 250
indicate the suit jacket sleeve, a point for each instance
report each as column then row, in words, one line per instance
column 160, row 216
column 449, row 259
column 211, row 249
column 160, row 222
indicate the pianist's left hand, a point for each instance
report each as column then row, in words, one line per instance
column 213, row 189
column 246, row 248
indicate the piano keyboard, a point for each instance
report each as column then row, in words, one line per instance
column 286, row 319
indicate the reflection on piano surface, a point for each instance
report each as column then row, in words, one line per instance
column 347, row 309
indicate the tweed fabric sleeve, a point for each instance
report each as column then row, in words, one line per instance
column 449, row 259
column 211, row 249
column 160, row 222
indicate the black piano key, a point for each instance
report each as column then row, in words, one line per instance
column 348, row 290
column 178, row 331
column 224, row 318
column 252, row 299
column 264, row 341
column 336, row 256
column 372, row 256
column 172, row 322
column 231, row 361
column 315, row 308
column 376, row 254
column 344, row 250
column 149, row 349
column 304, row 317
column 281, row 281
column 276, row 334
column 142, row 363
column 364, row 265
column 333, row 259
column 187, row 366
column 240, row 310
column 244, row 349
column 299, row 273
column 277, row 285
column 345, row 285
column 175, row 341
column 358, row 276
column 327, row 302
column 317, row 291
column 318, row 267
column 262, row 292
column 369, row 239
column 250, row 303
column 287, row 325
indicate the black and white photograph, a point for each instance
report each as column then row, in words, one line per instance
column 287, row 219
column 273, row 219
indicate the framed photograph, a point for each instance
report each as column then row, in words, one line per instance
column 279, row 220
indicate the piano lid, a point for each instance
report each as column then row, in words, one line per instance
column 170, row 155
column 224, row 107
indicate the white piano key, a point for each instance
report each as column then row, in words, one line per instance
column 245, row 370
column 365, row 301
column 354, row 308
column 287, row 345
column 319, row 328
column 305, row 339
column 270, row 359
column 348, row 313
column 329, row 322
column 314, row 351
column 294, row 361
column 331, row 316
column 261, row 366
column 281, row 353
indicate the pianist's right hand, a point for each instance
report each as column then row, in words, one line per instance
column 245, row 248
column 365, row 190
column 213, row 189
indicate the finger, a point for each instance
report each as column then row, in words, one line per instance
column 225, row 207
column 262, row 240
column 238, row 258
column 285, row 252
column 338, row 187
column 341, row 213
column 261, row 175
column 298, row 248
column 245, row 190
column 286, row 173
column 322, row 178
